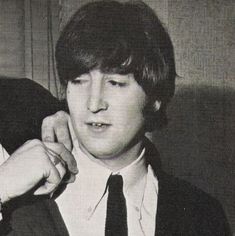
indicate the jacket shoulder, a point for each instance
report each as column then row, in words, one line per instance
column 194, row 209
column 24, row 104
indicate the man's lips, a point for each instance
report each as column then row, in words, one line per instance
column 98, row 127
column 97, row 124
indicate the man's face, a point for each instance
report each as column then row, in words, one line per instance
column 107, row 113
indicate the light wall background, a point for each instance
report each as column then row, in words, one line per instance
column 198, row 144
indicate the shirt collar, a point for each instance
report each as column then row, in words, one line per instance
column 134, row 180
column 94, row 177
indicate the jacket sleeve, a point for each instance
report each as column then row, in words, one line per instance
column 23, row 106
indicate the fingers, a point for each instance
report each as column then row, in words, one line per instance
column 59, row 164
column 55, row 175
column 47, row 130
column 55, row 128
column 65, row 155
column 63, row 136
column 71, row 179
column 52, row 180
column 47, row 188
column 37, row 163
column 28, row 145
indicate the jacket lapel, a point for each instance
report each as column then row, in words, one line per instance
column 166, row 215
column 58, row 221
column 167, row 218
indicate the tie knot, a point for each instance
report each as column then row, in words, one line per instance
column 115, row 183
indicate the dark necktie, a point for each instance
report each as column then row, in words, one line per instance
column 116, row 215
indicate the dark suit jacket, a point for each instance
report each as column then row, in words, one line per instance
column 23, row 105
column 183, row 210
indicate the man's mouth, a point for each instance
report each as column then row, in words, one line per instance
column 98, row 125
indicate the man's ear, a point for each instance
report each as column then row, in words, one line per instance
column 156, row 105
column 152, row 115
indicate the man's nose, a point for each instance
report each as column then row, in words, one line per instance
column 96, row 101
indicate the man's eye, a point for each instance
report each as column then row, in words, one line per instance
column 117, row 84
column 78, row 81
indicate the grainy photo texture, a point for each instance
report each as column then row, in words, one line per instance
column 117, row 118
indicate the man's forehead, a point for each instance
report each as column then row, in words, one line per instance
column 107, row 75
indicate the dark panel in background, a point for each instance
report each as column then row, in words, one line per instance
column 198, row 144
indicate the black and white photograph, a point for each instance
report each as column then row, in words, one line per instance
column 117, row 118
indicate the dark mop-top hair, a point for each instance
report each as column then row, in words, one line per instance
column 120, row 38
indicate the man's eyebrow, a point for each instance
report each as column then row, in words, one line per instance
column 117, row 76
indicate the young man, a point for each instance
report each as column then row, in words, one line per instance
column 116, row 62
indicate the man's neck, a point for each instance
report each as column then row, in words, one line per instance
column 120, row 160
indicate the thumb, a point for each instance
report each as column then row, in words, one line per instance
column 47, row 188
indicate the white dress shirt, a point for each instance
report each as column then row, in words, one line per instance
column 83, row 203
column 3, row 154
column 3, row 157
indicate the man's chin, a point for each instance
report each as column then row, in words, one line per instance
column 100, row 153
column 103, row 155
